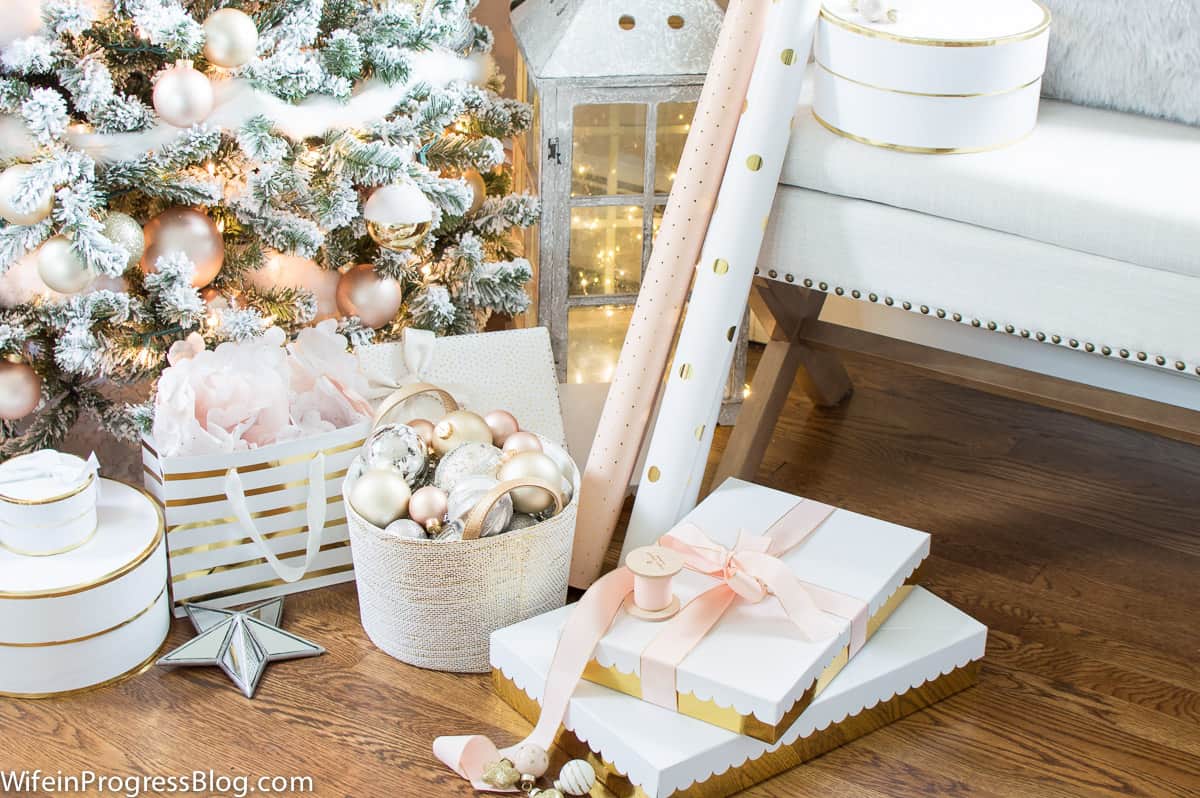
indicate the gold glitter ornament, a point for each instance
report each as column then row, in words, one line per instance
column 501, row 775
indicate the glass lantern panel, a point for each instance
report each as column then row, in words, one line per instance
column 674, row 122
column 606, row 250
column 608, row 157
column 595, row 334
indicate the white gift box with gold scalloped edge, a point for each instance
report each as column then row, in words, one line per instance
column 925, row 651
column 91, row 615
column 947, row 76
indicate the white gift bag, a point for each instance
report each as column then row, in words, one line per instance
column 251, row 525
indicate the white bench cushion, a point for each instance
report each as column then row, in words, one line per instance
column 1099, row 182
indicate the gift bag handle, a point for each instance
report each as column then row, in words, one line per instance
column 474, row 524
column 399, row 397
column 316, row 519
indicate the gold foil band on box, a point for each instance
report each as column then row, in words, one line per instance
column 52, row 499
column 111, row 576
column 235, row 591
column 86, row 540
column 727, row 717
column 769, row 764
column 141, row 667
column 251, row 468
column 101, row 633
column 863, row 30
column 917, row 150
column 973, row 95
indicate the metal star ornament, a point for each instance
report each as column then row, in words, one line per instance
column 240, row 642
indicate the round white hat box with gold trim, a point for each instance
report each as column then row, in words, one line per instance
column 47, row 503
column 89, row 616
column 946, row 76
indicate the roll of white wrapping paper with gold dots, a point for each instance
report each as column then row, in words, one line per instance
column 696, row 379
column 639, row 371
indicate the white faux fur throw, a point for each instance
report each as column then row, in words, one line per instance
column 1140, row 56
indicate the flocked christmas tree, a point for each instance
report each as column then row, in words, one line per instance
column 221, row 166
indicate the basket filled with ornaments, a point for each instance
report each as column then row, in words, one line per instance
column 459, row 525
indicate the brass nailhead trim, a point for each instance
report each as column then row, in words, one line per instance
column 772, row 274
column 1041, row 336
column 856, row 294
column 1180, row 365
column 1089, row 347
column 756, row 270
column 975, row 323
column 824, row 286
column 941, row 314
column 889, row 301
column 1056, row 339
column 1106, row 351
column 808, row 282
column 1124, row 353
column 839, row 290
column 1074, row 344
column 958, row 317
column 791, row 278
column 873, row 297
column 1024, row 333
column 1008, row 328
column 992, row 325
column 925, row 309
column 907, row 306
column 1141, row 355
column 1160, row 360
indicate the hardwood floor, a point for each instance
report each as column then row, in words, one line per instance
column 1077, row 543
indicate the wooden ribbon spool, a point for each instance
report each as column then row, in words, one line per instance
column 474, row 523
column 653, row 569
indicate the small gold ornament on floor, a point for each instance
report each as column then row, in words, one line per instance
column 10, row 189
column 398, row 216
column 230, row 38
column 501, row 775
column 20, row 389
column 576, row 778
column 553, row 792
column 182, row 95
column 61, row 269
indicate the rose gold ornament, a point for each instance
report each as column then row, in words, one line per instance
column 457, row 428
column 521, row 441
column 364, row 293
column 424, row 428
column 502, row 424
column 182, row 95
column 20, row 390
column 428, row 506
column 189, row 232
column 296, row 272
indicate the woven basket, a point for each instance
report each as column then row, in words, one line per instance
column 435, row 605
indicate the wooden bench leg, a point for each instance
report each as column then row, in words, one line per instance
column 823, row 376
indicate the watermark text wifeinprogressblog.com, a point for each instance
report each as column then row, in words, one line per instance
column 198, row 782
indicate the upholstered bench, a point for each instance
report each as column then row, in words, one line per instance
column 1085, row 235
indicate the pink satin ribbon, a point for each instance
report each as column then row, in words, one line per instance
column 750, row 571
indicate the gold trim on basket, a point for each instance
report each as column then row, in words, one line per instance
column 769, row 764
column 873, row 33
column 233, row 566
column 113, row 628
column 63, row 550
column 111, row 576
column 61, row 497
column 866, row 85
column 265, row 489
column 917, row 150
column 235, row 591
column 136, row 670
column 727, row 717
column 263, row 466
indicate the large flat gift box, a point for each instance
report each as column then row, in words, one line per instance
column 735, row 677
column 924, row 652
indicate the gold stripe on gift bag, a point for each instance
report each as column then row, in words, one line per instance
column 261, row 491
column 251, row 468
column 290, row 508
column 234, row 566
column 772, row 763
column 228, row 544
column 727, row 717
column 240, row 589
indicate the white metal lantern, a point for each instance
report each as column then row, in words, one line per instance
column 614, row 85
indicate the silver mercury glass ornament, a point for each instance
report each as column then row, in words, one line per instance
column 468, row 460
column 467, row 493
column 399, row 447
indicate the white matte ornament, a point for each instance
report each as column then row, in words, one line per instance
column 576, row 778
column 380, row 496
column 10, row 180
column 182, row 95
column 61, row 269
column 230, row 38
